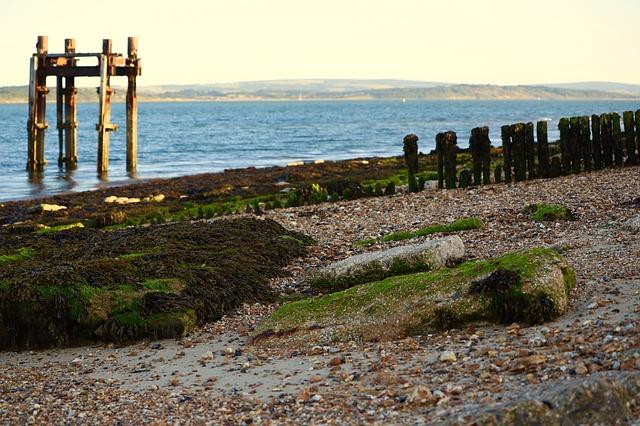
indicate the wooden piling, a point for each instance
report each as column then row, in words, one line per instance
column 104, row 110
column 529, row 149
column 70, row 113
column 41, row 101
column 505, row 133
column 59, row 125
column 565, row 147
column 132, row 105
column 618, row 147
column 518, row 151
column 585, row 143
column 475, row 147
column 440, row 157
column 497, row 173
column 606, row 140
column 556, row 166
column 464, row 180
column 485, row 144
column 596, row 146
column 544, row 166
column 630, row 138
column 410, row 148
column 574, row 145
column 31, row 121
column 450, row 148
column 637, row 120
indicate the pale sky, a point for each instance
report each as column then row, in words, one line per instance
column 465, row 41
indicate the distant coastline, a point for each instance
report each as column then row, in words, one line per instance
column 350, row 90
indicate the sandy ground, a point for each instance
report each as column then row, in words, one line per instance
column 215, row 375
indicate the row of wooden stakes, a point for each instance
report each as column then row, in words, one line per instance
column 585, row 144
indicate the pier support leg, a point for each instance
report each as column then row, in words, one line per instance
column 132, row 108
column 70, row 114
column 104, row 118
column 41, row 102
column 31, row 121
column 59, row 124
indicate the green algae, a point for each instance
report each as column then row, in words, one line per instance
column 20, row 254
column 548, row 212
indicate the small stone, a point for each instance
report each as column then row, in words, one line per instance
column 420, row 395
column 316, row 398
column 537, row 340
column 581, row 369
column 207, row 356
column 156, row 346
column 592, row 305
column 448, row 356
column 535, row 359
column 335, row 361
column 43, row 208
column 303, row 396
column 315, row 378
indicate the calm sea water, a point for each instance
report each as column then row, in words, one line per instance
column 177, row 139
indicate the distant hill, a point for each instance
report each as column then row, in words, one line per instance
column 350, row 89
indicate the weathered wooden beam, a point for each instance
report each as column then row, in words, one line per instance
column 31, row 121
column 450, row 145
column 606, row 140
column 529, row 150
column 70, row 102
column 42, row 48
column 485, row 146
column 103, row 118
column 565, row 145
column 505, row 132
column 88, row 71
column 518, row 151
column 637, row 120
column 544, row 165
column 132, row 109
column 410, row 148
column 596, row 146
column 440, row 158
column 59, row 123
column 475, row 146
column 616, row 133
column 630, row 138
column 574, row 144
column 585, row 143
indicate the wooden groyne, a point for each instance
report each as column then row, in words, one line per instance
column 585, row 144
column 65, row 67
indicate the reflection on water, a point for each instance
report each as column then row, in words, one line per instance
column 177, row 139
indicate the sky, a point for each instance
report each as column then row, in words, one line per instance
column 216, row 41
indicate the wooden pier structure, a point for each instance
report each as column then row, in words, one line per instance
column 64, row 66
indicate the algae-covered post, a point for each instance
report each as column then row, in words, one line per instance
column 450, row 148
column 505, row 132
column 585, row 143
column 565, row 147
column 529, row 149
column 36, row 124
column 630, row 138
column 70, row 114
column 556, row 166
column 497, row 173
column 440, row 155
column 606, row 140
column 476, row 155
column 616, row 134
column 518, row 151
column 544, row 168
column 596, row 147
column 574, row 145
column 464, row 180
column 132, row 104
column 59, row 90
column 638, row 130
column 486, row 155
column 410, row 149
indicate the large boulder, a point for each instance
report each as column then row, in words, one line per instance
column 368, row 267
column 530, row 286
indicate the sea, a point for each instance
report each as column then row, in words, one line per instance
column 184, row 138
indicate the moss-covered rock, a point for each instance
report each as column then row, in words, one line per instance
column 548, row 212
column 373, row 266
column 84, row 284
column 530, row 286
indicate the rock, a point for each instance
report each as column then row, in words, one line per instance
column 580, row 368
column 316, row 378
column 121, row 200
column 603, row 398
column 156, row 346
column 304, row 395
column 529, row 286
column 111, row 218
column 535, row 359
column 632, row 224
column 335, row 361
column 448, row 356
column 592, row 305
column 537, row 340
column 45, row 208
column 367, row 267
column 420, row 395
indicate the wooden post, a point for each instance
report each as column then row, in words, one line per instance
column 506, row 152
column 606, row 140
column 497, row 173
column 464, row 180
column 544, row 167
column 450, row 145
column 485, row 146
column 59, row 126
column 41, row 101
column 637, row 116
column 518, row 150
column 556, row 166
column 596, row 146
column 132, row 106
column 630, row 138
column 565, row 148
column 618, row 150
column 440, row 155
column 475, row 146
column 31, row 122
column 70, row 114
column 530, row 152
column 585, row 143
column 104, row 119
column 410, row 148
column 574, row 144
